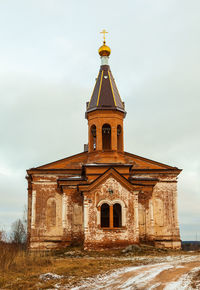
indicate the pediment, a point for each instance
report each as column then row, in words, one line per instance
column 78, row 160
column 71, row 162
column 111, row 174
column 140, row 162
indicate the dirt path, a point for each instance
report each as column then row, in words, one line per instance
column 173, row 273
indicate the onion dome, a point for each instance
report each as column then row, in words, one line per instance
column 104, row 50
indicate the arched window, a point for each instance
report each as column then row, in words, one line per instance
column 106, row 137
column 51, row 212
column 119, row 138
column 117, row 215
column 93, row 137
column 111, row 215
column 105, row 215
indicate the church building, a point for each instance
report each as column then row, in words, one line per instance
column 103, row 197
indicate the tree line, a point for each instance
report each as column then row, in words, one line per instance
column 18, row 232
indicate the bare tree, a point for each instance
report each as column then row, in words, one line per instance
column 3, row 236
column 18, row 232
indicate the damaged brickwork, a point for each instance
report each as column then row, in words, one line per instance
column 66, row 209
column 103, row 197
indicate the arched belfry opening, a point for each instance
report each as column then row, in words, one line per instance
column 119, row 138
column 93, row 137
column 106, row 137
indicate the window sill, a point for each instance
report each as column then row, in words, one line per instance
column 113, row 229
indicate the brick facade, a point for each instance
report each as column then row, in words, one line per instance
column 103, row 197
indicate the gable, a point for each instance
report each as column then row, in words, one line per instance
column 110, row 173
column 111, row 190
column 139, row 162
column 76, row 161
column 71, row 162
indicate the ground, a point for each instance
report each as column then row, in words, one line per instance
column 172, row 272
column 144, row 268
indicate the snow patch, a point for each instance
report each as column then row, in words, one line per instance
column 102, row 280
column 184, row 282
column 140, row 276
column 109, row 281
column 142, row 279
column 49, row 276
column 154, row 286
column 179, row 267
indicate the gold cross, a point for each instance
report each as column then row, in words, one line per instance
column 104, row 34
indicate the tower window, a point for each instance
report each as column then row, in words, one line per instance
column 106, row 137
column 93, row 137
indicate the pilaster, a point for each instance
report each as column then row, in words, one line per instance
column 114, row 138
column 33, row 209
column 151, row 217
column 136, row 216
column 86, row 214
column 176, row 223
column 99, row 138
column 64, row 207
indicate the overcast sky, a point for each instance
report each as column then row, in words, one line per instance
column 48, row 64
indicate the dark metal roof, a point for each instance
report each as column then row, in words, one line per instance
column 105, row 94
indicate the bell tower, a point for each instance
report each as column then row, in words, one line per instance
column 105, row 114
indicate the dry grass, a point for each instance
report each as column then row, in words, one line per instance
column 25, row 270
column 16, row 264
column 8, row 253
column 21, row 270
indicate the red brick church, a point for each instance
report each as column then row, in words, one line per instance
column 103, row 197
